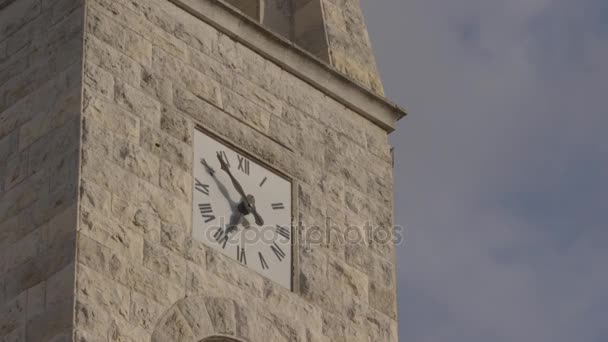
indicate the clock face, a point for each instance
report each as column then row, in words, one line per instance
column 242, row 209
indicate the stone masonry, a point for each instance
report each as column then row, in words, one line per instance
column 99, row 100
column 40, row 101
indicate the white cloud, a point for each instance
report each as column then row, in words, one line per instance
column 500, row 167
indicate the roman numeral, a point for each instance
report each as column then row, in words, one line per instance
column 225, row 157
column 278, row 206
column 207, row 167
column 277, row 251
column 263, row 261
column 263, row 181
column 221, row 237
column 243, row 165
column 206, row 212
column 241, row 256
column 204, row 188
column 284, row 232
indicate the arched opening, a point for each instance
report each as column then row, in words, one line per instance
column 300, row 21
column 219, row 339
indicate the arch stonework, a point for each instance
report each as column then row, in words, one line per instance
column 200, row 319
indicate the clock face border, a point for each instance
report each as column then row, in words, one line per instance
column 295, row 229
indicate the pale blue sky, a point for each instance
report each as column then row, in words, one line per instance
column 502, row 166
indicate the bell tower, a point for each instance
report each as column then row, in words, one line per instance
column 332, row 30
column 194, row 170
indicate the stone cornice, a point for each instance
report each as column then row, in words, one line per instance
column 295, row 60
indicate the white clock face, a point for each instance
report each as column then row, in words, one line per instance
column 242, row 209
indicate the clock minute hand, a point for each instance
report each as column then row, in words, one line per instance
column 258, row 219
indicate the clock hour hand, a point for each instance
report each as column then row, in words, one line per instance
column 258, row 218
column 250, row 204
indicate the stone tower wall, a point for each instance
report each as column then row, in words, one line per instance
column 96, row 154
column 153, row 72
column 349, row 43
column 40, row 101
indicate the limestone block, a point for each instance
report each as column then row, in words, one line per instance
column 59, row 286
column 173, row 327
column 125, row 332
column 195, row 251
column 222, row 315
column 377, row 143
column 20, row 197
column 101, row 259
column 85, row 335
column 339, row 331
column 358, row 256
column 144, row 311
column 332, row 188
column 169, row 209
column 15, row 114
column 239, row 276
column 24, row 250
column 313, row 274
column 198, row 36
column 59, row 8
column 299, row 94
column 383, row 298
column 182, row 75
column 380, row 328
column 260, row 71
column 175, row 181
column 164, row 263
column 8, row 146
column 196, row 314
column 101, row 114
column 61, row 227
column 357, row 203
column 204, row 283
column 349, row 280
column 15, row 15
column 134, row 19
column 12, row 67
column 16, row 170
column 55, row 146
column 174, row 238
column 177, row 125
column 54, row 323
column 105, row 29
column 138, row 47
column 138, row 103
column 157, row 86
column 17, row 335
column 283, row 132
column 211, row 67
column 342, row 120
column 111, row 234
column 148, row 283
column 137, row 160
column 110, row 176
column 109, row 299
column 167, row 147
column 95, row 197
column 63, row 173
column 36, row 299
column 138, row 217
column 291, row 307
column 111, row 60
column 309, row 136
column 13, row 314
column 227, row 52
column 99, row 80
column 257, row 94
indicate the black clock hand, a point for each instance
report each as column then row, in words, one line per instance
column 250, row 205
